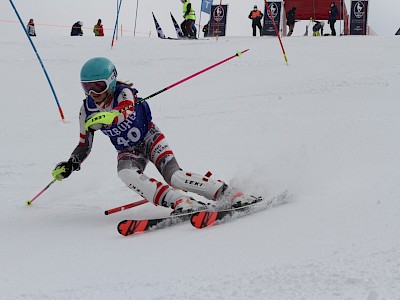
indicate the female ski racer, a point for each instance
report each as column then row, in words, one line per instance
column 113, row 107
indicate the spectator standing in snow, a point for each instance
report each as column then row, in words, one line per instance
column 205, row 29
column 98, row 29
column 114, row 108
column 31, row 28
column 256, row 16
column 332, row 17
column 189, row 16
column 291, row 20
column 77, row 29
column 194, row 29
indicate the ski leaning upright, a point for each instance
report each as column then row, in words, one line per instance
column 208, row 218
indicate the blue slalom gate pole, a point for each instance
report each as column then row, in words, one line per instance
column 137, row 6
column 40, row 60
column 116, row 23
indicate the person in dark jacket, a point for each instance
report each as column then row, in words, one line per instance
column 77, row 29
column 291, row 20
column 31, row 28
column 318, row 27
column 332, row 17
column 256, row 16
column 205, row 29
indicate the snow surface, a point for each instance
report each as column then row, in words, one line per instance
column 325, row 127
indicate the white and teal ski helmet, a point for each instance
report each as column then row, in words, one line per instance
column 102, row 72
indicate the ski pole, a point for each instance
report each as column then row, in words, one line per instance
column 29, row 202
column 126, row 206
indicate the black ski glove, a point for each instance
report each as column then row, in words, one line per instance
column 65, row 168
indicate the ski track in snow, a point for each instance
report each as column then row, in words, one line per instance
column 318, row 280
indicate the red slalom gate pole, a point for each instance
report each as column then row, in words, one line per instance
column 124, row 207
column 276, row 30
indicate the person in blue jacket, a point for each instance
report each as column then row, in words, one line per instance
column 114, row 108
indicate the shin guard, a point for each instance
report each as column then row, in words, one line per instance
column 149, row 188
column 195, row 183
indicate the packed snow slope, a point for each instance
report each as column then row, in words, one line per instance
column 325, row 127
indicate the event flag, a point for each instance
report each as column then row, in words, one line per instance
column 206, row 6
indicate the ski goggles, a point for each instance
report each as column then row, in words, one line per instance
column 98, row 86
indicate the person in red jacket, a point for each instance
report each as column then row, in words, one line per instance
column 98, row 29
column 256, row 16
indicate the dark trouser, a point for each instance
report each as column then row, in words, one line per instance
column 186, row 27
column 255, row 25
column 332, row 25
column 291, row 28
